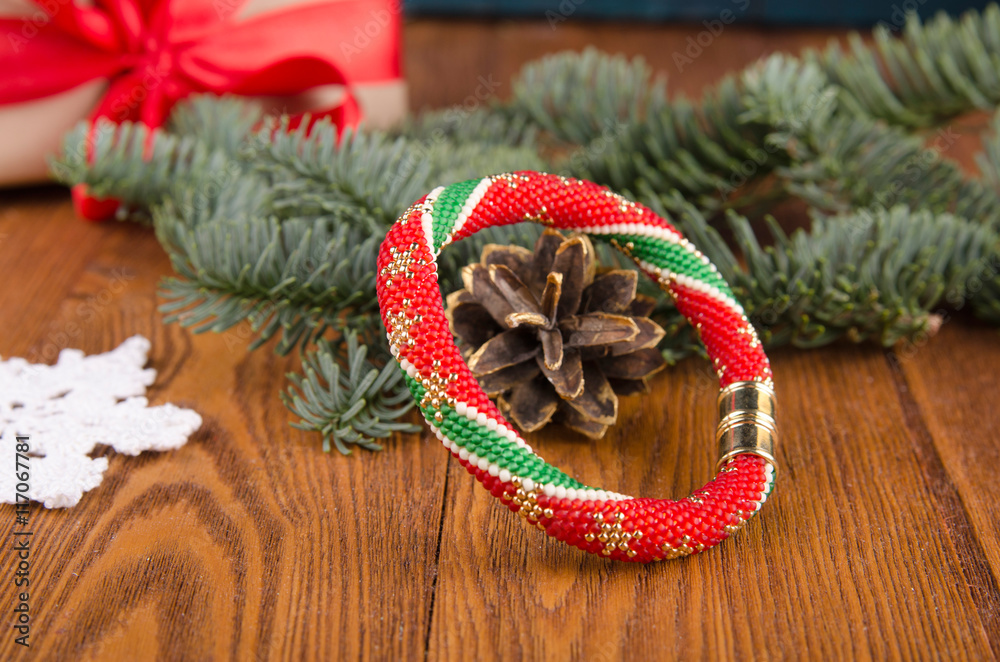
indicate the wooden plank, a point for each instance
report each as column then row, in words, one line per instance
column 453, row 62
column 947, row 386
column 248, row 539
column 848, row 560
column 879, row 542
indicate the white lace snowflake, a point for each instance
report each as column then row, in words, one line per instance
column 68, row 408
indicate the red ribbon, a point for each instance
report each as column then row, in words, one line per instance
column 157, row 52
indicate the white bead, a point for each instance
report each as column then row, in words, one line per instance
column 481, row 418
column 528, row 484
column 471, row 412
column 571, row 494
column 483, row 464
column 501, row 429
column 601, row 495
column 461, row 408
column 560, row 492
column 504, row 476
column 511, row 435
column 763, row 497
column 473, row 459
column 463, row 454
column 550, row 490
column 491, row 424
column 494, row 470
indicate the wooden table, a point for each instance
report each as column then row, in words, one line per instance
column 881, row 540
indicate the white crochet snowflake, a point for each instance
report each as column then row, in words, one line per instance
column 68, row 408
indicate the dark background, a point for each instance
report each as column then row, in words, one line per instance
column 777, row 12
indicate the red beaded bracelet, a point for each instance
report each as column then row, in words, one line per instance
column 472, row 428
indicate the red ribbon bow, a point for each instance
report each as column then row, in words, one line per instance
column 157, row 52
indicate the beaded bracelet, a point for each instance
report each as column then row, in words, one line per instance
column 472, row 428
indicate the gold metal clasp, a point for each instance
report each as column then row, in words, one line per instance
column 747, row 421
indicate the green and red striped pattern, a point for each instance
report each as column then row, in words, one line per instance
column 473, row 429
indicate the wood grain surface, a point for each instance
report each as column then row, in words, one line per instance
column 880, row 541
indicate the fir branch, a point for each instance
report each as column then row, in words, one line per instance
column 133, row 163
column 576, row 97
column 484, row 125
column 278, row 228
column 933, row 72
column 879, row 275
column 346, row 398
column 222, row 123
column 315, row 171
column 989, row 159
column 837, row 161
column 658, row 146
column 295, row 279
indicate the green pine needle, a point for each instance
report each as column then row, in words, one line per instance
column 346, row 398
column 276, row 230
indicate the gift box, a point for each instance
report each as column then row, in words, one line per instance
column 63, row 61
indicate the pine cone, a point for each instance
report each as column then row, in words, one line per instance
column 552, row 339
